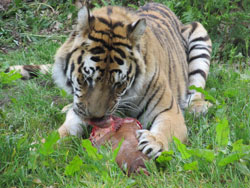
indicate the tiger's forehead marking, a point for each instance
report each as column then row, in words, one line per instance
column 106, row 50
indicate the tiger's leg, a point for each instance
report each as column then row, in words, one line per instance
column 199, row 48
column 72, row 125
column 30, row 71
column 166, row 124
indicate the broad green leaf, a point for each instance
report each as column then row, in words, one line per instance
column 222, row 133
column 116, row 150
column 165, row 156
column 91, row 150
column 230, row 158
column 48, row 147
column 237, row 146
column 73, row 166
column 182, row 148
column 202, row 153
column 191, row 166
column 205, row 93
column 8, row 78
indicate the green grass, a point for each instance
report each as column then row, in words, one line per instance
column 31, row 111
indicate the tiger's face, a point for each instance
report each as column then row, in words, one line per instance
column 101, row 64
column 99, row 77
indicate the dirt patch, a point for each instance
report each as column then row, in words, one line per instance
column 4, row 4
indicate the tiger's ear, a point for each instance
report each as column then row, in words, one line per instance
column 136, row 30
column 85, row 19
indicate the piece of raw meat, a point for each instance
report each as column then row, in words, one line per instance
column 129, row 158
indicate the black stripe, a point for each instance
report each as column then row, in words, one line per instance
column 110, row 60
column 67, row 63
column 206, row 38
column 169, row 67
column 161, row 5
column 97, row 50
column 199, row 47
column 79, row 59
column 122, row 44
column 95, row 58
column 137, row 73
column 117, row 24
column 158, row 36
column 68, row 83
column 156, row 104
column 72, row 68
column 117, row 36
column 103, row 32
column 149, row 85
column 99, row 40
column 77, row 95
column 179, row 93
column 148, row 102
column 77, row 89
column 104, row 21
column 90, row 81
column 84, row 44
column 121, row 52
column 198, row 71
column 110, row 34
column 165, row 110
column 159, row 26
column 165, row 12
column 118, row 60
column 194, row 26
column 67, row 60
column 129, row 70
column 80, row 68
column 199, row 56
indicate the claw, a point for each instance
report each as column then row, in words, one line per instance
column 148, row 144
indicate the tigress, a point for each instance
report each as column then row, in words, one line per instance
column 138, row 63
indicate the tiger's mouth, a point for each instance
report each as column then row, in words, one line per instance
column 103, row 122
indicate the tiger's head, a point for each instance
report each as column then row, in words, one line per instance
column 100, row 61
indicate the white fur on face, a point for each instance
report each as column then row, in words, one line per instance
column 58, row 75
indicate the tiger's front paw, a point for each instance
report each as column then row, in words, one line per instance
column 199, row 107
column 63, row 132
column 149, row 144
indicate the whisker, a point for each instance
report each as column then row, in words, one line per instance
column 129, row 107
column 132, row 97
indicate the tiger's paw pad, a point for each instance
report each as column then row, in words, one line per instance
column 149, row 144
column 199, row 107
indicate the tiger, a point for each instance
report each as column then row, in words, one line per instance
column 139, row 63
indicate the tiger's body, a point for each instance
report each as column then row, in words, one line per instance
column 137, row 63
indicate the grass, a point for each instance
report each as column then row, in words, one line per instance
column 31, row 111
